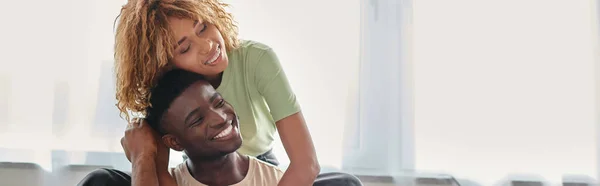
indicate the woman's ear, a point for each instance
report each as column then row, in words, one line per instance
column 172, row 142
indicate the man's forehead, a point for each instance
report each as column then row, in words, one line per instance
column 184, row 104
column 196, row 95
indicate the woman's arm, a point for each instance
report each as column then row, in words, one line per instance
column 162, row 165
column 304, row 166
column 144, row 171
column 273, row 85
column 140, row 147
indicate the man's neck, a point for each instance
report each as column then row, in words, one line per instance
column 227, row 170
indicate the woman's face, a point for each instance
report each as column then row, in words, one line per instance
column 200, row 47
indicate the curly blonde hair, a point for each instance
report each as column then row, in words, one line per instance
column 144, row 44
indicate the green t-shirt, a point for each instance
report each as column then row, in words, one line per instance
column 256, row 86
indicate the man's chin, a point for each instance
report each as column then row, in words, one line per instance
column 224, row 149
column 231, row 147
column 212, row 157
column 217, row 150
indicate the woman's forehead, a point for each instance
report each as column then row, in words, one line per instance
column 185, row 19
column 177, row 24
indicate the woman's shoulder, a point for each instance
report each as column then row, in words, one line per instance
column 254, row 54
column 251, row 46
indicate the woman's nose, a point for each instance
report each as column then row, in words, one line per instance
column 206, row 45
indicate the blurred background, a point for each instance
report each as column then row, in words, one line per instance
column 462, row 92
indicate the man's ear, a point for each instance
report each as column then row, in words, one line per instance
column 172, row 142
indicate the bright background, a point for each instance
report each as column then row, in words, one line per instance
column 480, row 89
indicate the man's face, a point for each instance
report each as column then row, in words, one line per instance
column 200, row 123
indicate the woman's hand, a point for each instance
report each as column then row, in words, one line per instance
column 140, row 141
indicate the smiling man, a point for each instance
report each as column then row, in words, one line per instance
column 192, row 117
column 189, row 116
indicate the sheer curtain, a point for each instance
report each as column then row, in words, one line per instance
column 57, row 83
column 506, row 89
column 383, row 138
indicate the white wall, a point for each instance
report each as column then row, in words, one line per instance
column 505, row 87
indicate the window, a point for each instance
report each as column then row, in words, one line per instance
column 383, row 143
column 319, row 52
column 56, row 82
column 506, row 86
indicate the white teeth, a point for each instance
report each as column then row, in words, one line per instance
column 224, row 132
column 215, row 56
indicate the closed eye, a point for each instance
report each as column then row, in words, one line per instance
column 202, row 28
column 220, row 104
column 186, row 49
column 197, row 121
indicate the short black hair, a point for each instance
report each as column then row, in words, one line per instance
column 170, row 86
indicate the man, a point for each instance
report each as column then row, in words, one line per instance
column 189, row 116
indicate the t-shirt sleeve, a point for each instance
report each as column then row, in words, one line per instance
column 273, row 85
column 267, row 173
column 173, row 173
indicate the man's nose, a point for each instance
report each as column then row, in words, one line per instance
column 219, row 119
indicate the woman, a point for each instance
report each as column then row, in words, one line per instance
column 155, row 36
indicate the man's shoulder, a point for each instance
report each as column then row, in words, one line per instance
column 265, row 170
column 181, row 175
column 265, row 166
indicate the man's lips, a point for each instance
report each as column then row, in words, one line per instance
column 227, row 131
